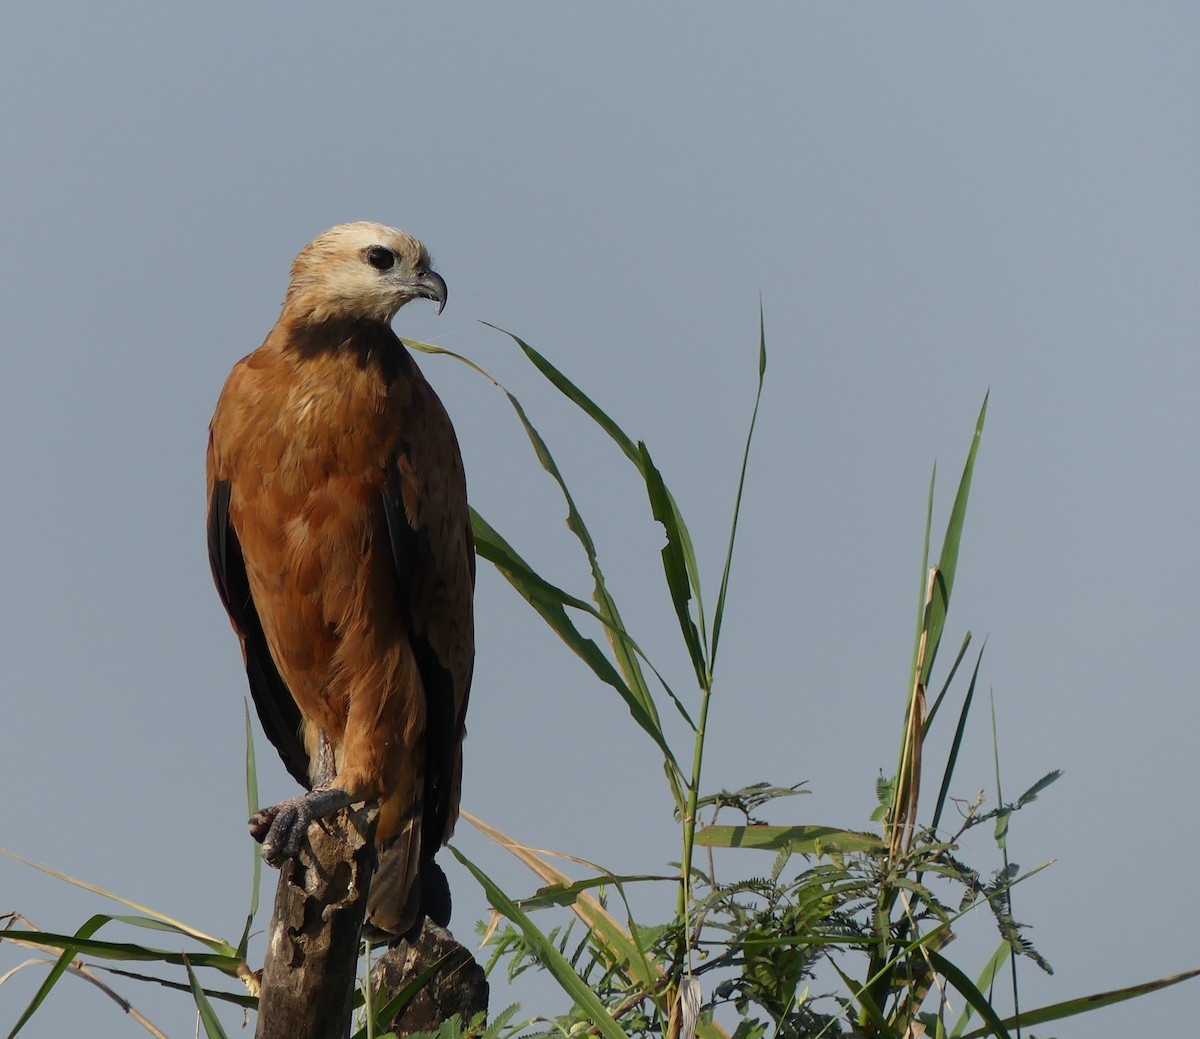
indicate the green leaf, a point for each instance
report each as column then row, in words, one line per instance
column 56, row 972
column 984, row 983
column 1032, row 793
column 801, row 840
column 1086, row 1004
column 948, row 561
column 212, row 1027
column 956, row 743
column 123, row 950
column 402, row 998
column 969, row 992
column 675, row 563
column 719, row 612
column 570, row 982
column 252, row 806
column 568, row 894
column 216, row 944
column 549, row 601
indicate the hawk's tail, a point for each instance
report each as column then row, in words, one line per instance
column 407, row 888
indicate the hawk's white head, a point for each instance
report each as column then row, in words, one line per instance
column 361, row 271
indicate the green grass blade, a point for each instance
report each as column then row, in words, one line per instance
column 800, row 840
column 969, row 992
column 1086, row 1004
column 208, row 1016
column 549, row 601
column 675, row 564
column 948, row 560
column 191, row 932
column 567, row 894
column 956, row 743
column 631, row 451
column 985, row 981
column 122, row 950
column 402, row 998
column 252, row 808
column 962, row 652
column 916, row 657
column 577, row 397
column 570, row 982
column 623, row 650
column 719, row 612
column 56, row 972
column 239, row 999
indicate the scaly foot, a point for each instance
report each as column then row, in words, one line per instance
column 281, row 828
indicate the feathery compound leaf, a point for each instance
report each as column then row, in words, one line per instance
column 1032, row 793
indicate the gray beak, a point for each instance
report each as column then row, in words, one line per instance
column 431, row 285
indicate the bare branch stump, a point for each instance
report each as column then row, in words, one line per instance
column 458, row 987
column 312, row 950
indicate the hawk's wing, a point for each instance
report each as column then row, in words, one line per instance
column 429, row 526
column 277, row 710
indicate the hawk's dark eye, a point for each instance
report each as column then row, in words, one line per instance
column 380, row 258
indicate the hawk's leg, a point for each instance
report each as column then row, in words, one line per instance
column 282, row 827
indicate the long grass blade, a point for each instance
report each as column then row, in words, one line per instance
column 623, row 947
column 631, row 451
column 1086, row 1004
column 63, row 962
column 675, row 565
column 719, row 612
column 984, row 983
column 120, row 950
column 799, row 840
column 553, row 960
column 549, row 601
column 208, row 1016
column 402, row 998
column 948, row 560
column 216, row 944
column 252, row 809
column 956, row 743
column 970, row 993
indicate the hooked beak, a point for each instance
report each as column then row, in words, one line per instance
column 431, row 285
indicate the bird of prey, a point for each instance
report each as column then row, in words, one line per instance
column 340, row 542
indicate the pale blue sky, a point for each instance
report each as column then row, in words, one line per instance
column 931, row 201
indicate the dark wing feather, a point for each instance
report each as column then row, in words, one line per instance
column 277, row 710
column 415, row 561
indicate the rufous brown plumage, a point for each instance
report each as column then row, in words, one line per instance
column 340, row 541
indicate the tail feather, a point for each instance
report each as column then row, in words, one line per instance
column 406, row 889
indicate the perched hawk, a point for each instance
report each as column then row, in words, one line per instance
column 340, row 541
